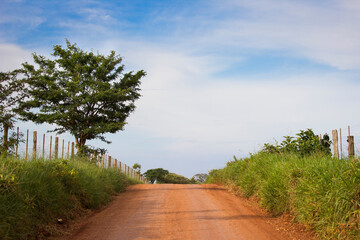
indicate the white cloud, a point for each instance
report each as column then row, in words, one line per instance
column 183, row 102
column 12, row 56
column 324, row 33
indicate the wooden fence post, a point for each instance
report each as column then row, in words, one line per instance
column 351, row 149
column 341, row 151
column 72, row 150
column 27, row 143
column 335, row 143
column 17, row 141
column 350, row 140
column 56, row 147
column 62, row 152
column 34, row 144
column 115, row 163
column 50, row 146
column 103, row 160
column 96, row 157
column 109, row 161
column 43, row 150
column 68, row 153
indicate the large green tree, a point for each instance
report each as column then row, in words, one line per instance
column 84, row 93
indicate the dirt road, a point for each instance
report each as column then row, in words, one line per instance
column 178, row 212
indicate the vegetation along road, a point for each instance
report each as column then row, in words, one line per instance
column 176, row 211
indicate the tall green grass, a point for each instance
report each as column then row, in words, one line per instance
column 319, row 191
column 34, row 194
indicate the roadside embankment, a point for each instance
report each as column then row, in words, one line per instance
column 36, row 195
column 319, row 191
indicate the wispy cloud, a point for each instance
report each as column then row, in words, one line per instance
column 326, row 34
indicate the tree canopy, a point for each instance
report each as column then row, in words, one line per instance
column 164, row 176
column 200, row 177
column 84, row 93
column 137, row 167
column 157, row 174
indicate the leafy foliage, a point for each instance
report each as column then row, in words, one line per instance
column 137, row 167
column 160, row 175
column 200, row 177
column 11, row 94
column 81, row 92
column 157, row 174
column 306, row 143
column 174, row 179
column 12, row 141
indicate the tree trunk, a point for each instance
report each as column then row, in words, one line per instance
column 80, row 143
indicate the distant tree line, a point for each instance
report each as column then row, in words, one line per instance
column 161, row 176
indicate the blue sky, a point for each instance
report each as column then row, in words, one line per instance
column 223, row 77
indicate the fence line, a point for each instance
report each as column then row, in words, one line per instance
column 350, row 148
column 100, row 160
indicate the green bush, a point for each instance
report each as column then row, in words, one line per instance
column 305, row 143
column 175, row 179
column 317, row 190
column 36, row 193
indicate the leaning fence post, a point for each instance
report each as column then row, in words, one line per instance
column 335, row 143
column 34, row 144
column 56, row 147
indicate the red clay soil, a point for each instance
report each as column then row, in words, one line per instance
column 170, row 211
